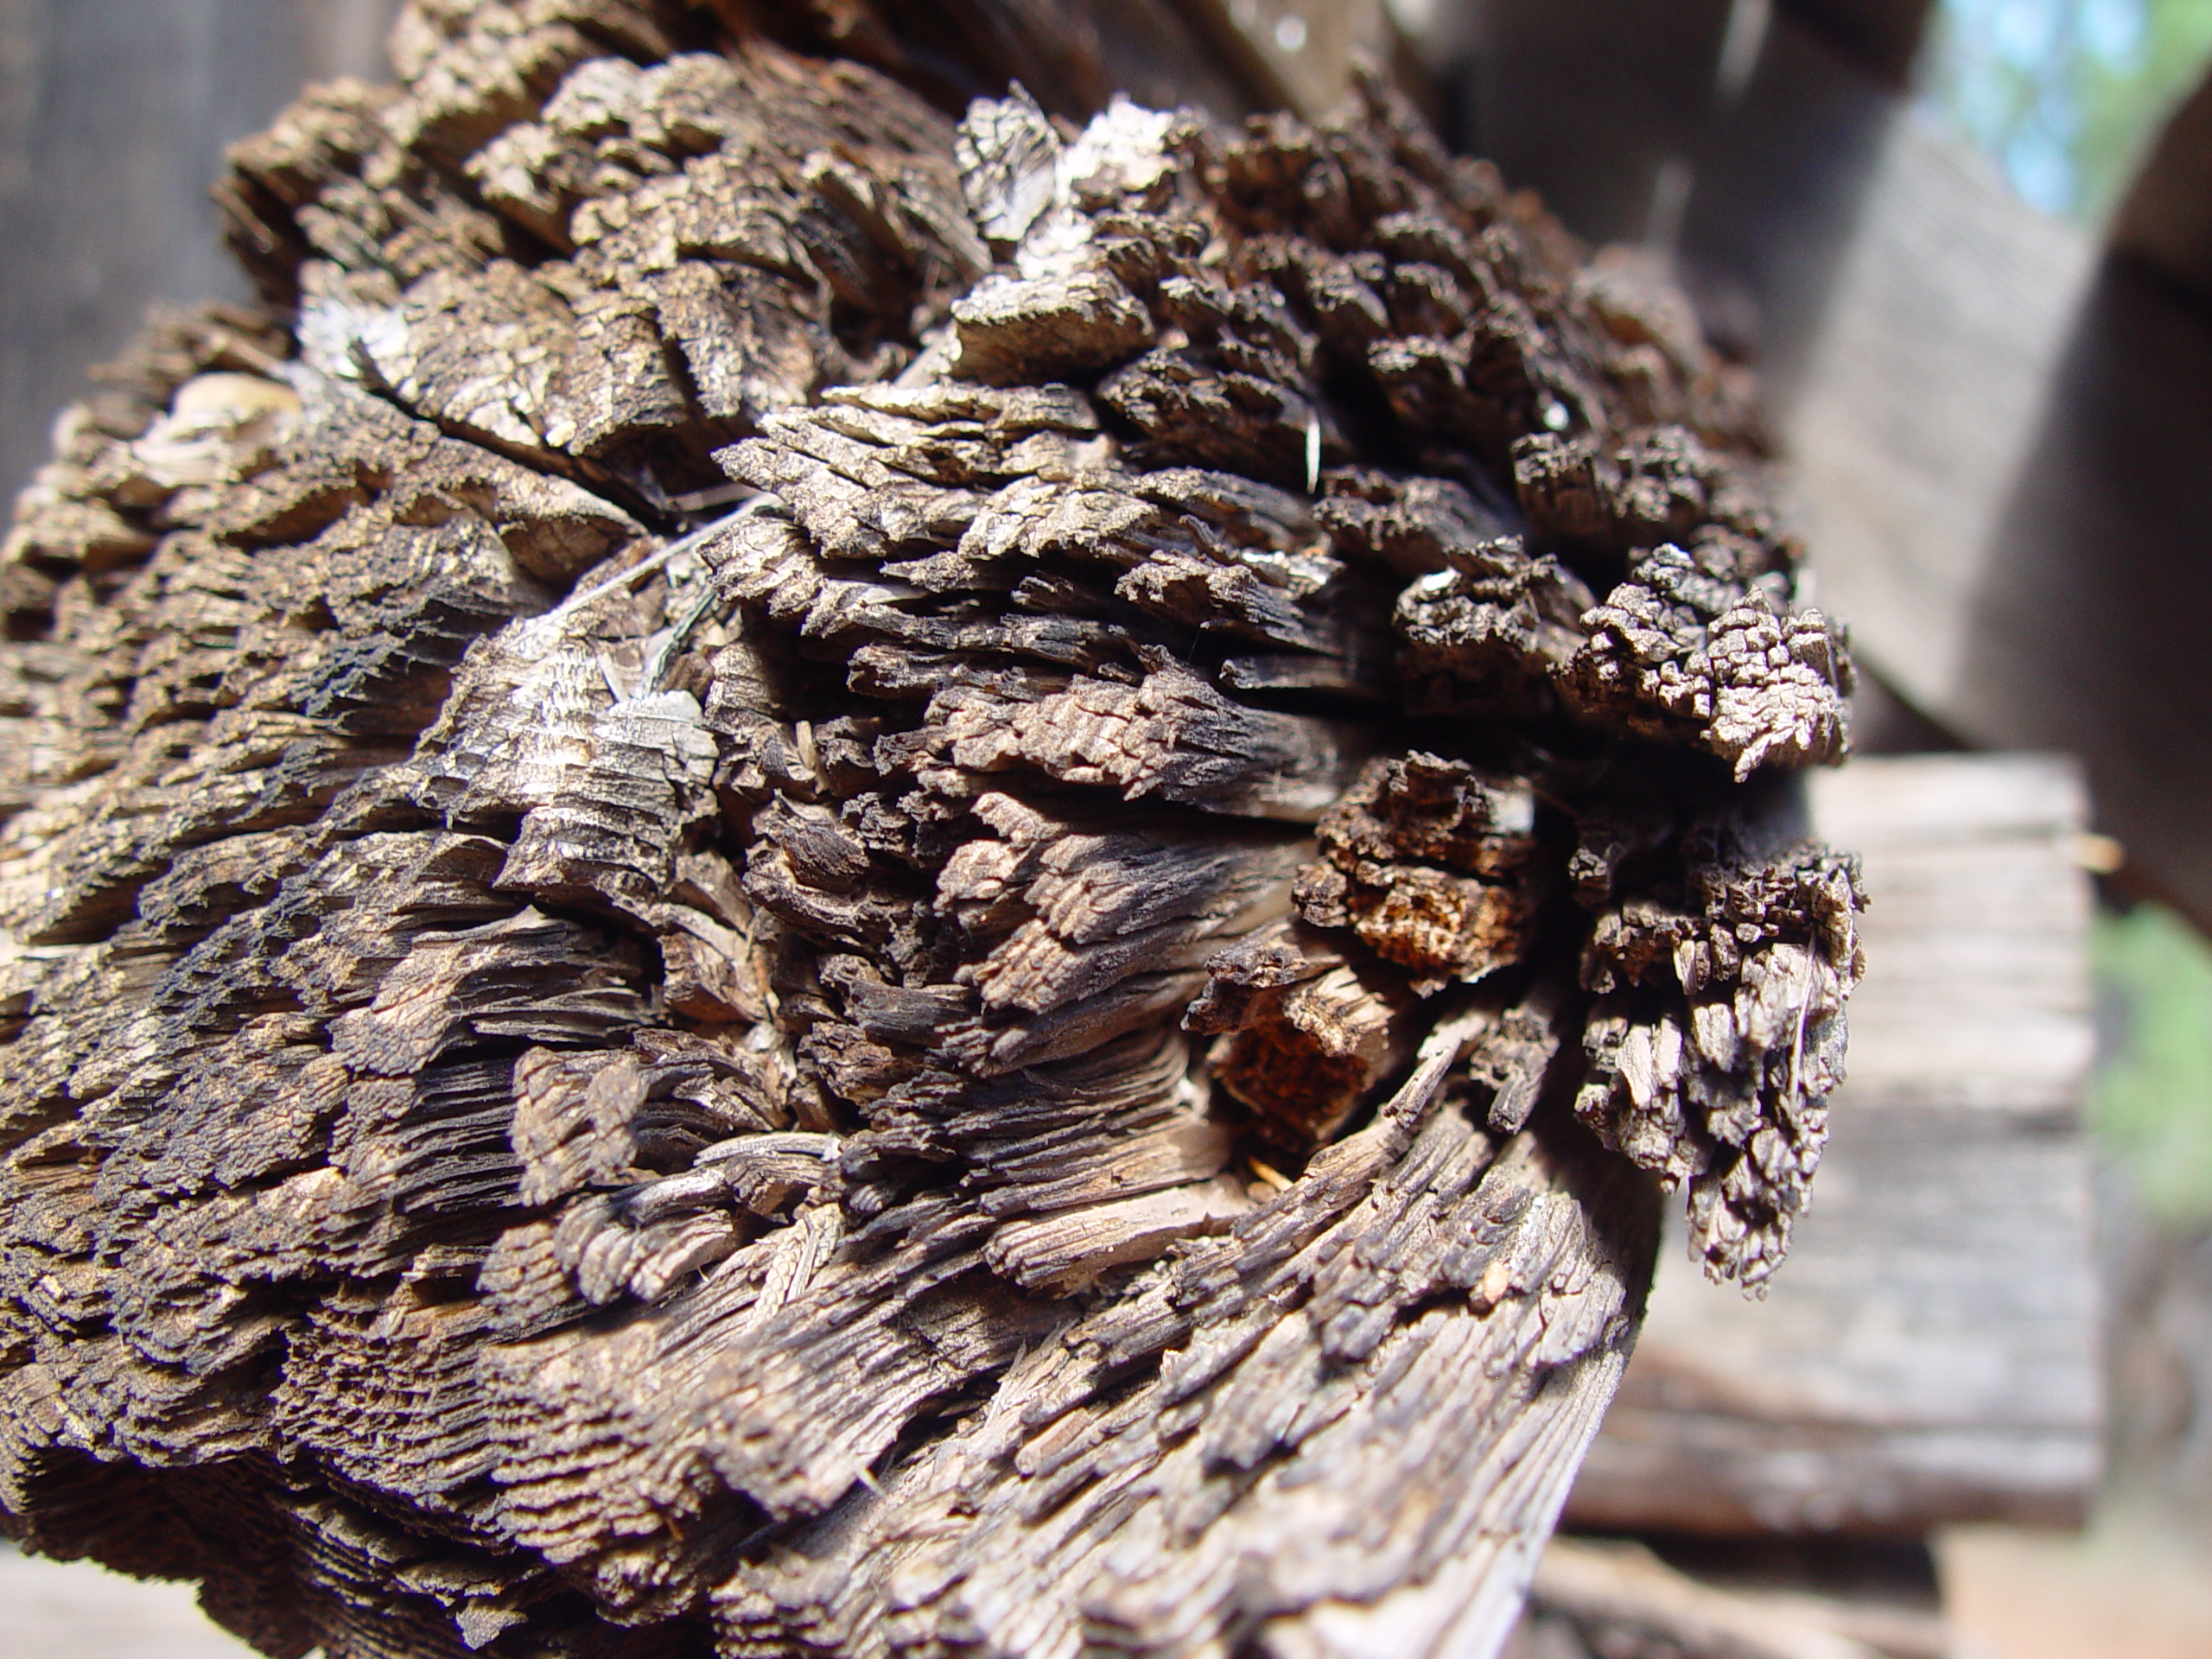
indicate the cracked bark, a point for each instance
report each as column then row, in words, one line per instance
column 798, row 879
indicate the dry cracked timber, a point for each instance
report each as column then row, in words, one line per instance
column 794, row 878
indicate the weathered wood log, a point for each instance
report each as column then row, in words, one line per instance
column 642, row 820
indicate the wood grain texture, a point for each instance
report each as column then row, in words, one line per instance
column 643, row 816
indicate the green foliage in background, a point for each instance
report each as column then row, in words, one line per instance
column 2066, row 95
column 2150, row 1100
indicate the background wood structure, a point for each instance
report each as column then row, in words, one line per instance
column 113, row 118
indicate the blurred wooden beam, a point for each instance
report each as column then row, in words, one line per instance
column 2165, row 223
column 1614, row 1598
column 1298, row 54
column 114, row 116
column 2000, row 438
column 1881, row 36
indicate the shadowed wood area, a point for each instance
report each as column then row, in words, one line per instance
column 805, row 868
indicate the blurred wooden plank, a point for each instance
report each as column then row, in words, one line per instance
column 114, row 116
column 1997, row 435
column 1588, row 101
column 1294, row 55
column 1925, row 390
column 1929, row 1352
column 2165, row 220
column 2089, row 628
column 1977, row 990
column 74, row 1609
column 1881, row 37
column 1607, row 1595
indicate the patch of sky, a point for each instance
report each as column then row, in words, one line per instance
column 2065, row 95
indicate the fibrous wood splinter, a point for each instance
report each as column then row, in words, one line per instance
column 1051, row 1036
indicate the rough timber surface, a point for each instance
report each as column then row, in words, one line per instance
column 1930, row 1356
column 804, row 872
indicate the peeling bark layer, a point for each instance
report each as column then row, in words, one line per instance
column 797, row 879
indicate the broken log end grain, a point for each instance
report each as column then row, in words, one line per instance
column 797, row 875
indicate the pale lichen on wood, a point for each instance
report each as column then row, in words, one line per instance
column 798, row 879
